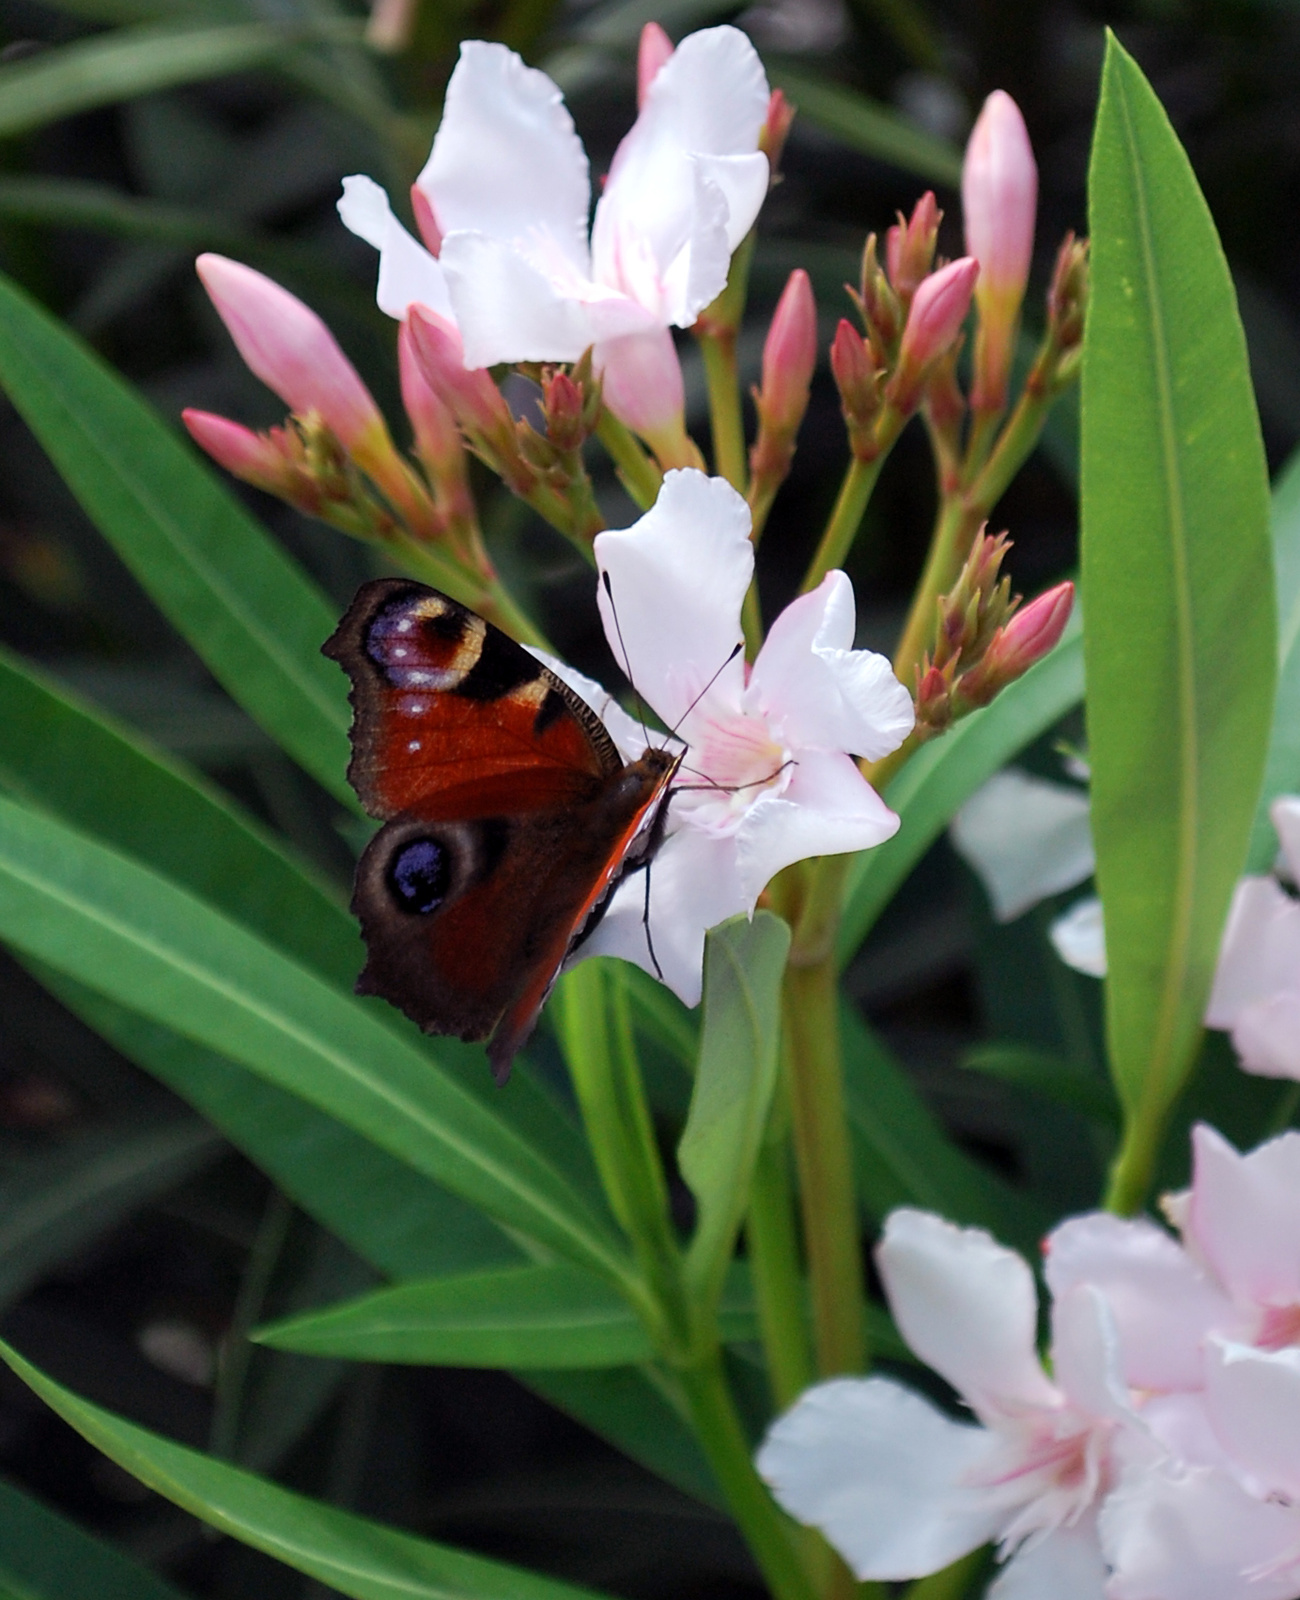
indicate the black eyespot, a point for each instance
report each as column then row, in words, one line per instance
column 419, row 876
column 501, row 667
column 549, row 712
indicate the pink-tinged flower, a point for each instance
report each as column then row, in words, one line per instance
column 999, row 192
column 902, row 1490
column 768, row 777
column 934, row 320
column 508, row 185
column 653, row 51
column 1256, row 990
column 1025, row 838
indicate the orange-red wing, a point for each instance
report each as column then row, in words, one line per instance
column 454, row 719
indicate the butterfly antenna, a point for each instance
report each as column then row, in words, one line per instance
column 627, row 673
column 645, row 920
column 672, row 732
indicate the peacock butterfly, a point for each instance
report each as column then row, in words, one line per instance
column 509, row 815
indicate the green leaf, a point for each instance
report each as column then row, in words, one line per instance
column 942, row 776
column 903, row 1157
column 255, row 618
column 67, row 757
column 867, row 125
column 534, row 1316
column 61, row 1200
column 1282, row 770
column 360, row 1558
column 44, row 1556
column 1178, row 579
column 1043, row 1073
column 78, row 906
column 743, row 964
column 125, row 62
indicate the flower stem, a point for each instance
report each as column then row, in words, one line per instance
column 637, row 471
column 725, row 417
column 1134, row 1164
column 713, row 1414
column 842, row 529
column 778, row 1282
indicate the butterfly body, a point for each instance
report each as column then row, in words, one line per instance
column 509, row 814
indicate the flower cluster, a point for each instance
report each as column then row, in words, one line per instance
column 1159, row 1460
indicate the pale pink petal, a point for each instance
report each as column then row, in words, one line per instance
column 968, row 1308
column 1244, row 1215
column 642, row 378
column 1079, row 937
column 1260, row 953
column 1162, row 1301
column 881, row 1472
column 1192, row 1533
column 1178, row 1424
column 506, row 161
column 827, row 809
column 1086, row 1355
column 1066, row 1565
column 694, row 885
column 817, row 691
column 1267, row 1035
column 1285, row 815
column 408, row 274
column 1026, row 838
column 1252, row 1398
column 697, row 274
column 679, row 577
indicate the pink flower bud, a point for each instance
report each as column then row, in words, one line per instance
column 1017, row 645
column 934, row 320
column 642, row 383
column 563, row 404
column 999, row 189
column 291, row 350
column 426, row 221
column 252, row 457
column 909, row 247
column 437, row 438
column 775, row 130
column 652, row 53
column 858, row 381
column 469, row 393
column 790, row 354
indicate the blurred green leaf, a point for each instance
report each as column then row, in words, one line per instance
column 67, row 900
column 903, row 1157
column 1178, row 578
column 1043, row 1073
column 533, row 1316
column 743, row 964
column 254, row 616
column 125, row 62
column 866, row 125
column 360, row 1558
column 1282, row 770
column 56, row 1202
column 44, row 1556
column 943, row 775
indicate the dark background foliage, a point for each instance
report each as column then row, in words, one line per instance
column 133, row 1242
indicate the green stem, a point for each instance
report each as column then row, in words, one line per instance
column 1131, row 1172
column 845, row 519
column 236, row 1351
column 637, row 472
column 713, row 1415
column 725, row 416
column 953, row 1582
column 821, row 1142
column 778, row 1281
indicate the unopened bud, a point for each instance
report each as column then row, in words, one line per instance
column 1067, row 298
column 858, row 380
column 438, row 441
column 976, row 606
column 652, row 53
column 882, row 315
column 790, row 355
column 933, row 698
column 999, row 189
column 937, row 312
column 470, row 394
column 1024, row 640
column 909, row 247
column 562, row 406
column 641, row 376
column 253, row 457
column 775, row 131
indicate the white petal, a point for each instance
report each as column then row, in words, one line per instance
column 694, row 885
column 1067, row 1565
column 709, row 100
column 880, row 1471
column 1191, row 1533
column 1026, row 838
column 408, row 274
column 1178, row 1424
column 679, row 577
column 506, row 161
column 817, row 691
column 1086, row 1354
column 1260, row 954
column 1252, row 1398
column 1162, row 1301
column 1266, row 1035
column 968, row 1307
column 1243, row 1216
column 1079, row 938
column 1285, row 815
column 827, row 809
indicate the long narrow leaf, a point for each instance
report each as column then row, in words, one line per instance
column 44, row 1556
column 1282, row 771
column 256, row 619
column 1177, row 574
column 357, row 1557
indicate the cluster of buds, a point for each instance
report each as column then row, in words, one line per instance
column 982, row 640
